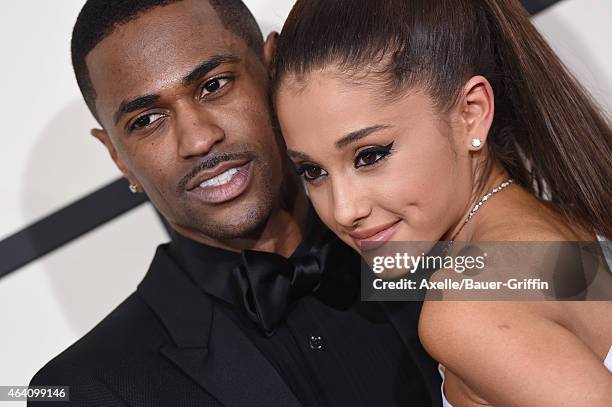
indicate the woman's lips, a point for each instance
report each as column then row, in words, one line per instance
column 374, row 238
column 226, row 186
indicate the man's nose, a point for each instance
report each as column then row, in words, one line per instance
column 197, row 132
column 350, row 202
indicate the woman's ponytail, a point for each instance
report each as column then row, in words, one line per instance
column 561, row 145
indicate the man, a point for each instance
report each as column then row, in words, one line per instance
column 253, row 302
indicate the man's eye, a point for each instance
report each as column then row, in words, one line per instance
column 213, row 85
column 372, row 155
column 145, row 121
column 311, row 172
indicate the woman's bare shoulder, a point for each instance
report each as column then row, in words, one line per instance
column 449, row 327
column 523, row 217
column 502, row 349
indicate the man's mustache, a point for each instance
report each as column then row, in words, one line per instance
column 211, row 161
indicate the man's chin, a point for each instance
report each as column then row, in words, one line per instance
column 248, row 223
column 243, row 220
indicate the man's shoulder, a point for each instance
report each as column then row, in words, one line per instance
column 130, row 332
column 120, row 363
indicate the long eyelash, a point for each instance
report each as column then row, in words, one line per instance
column 301, row 169
column 301, row 172
column 385, row 151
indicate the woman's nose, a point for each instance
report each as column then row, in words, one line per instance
column 350, row 204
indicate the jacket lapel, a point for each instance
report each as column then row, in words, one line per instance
column 206, row 344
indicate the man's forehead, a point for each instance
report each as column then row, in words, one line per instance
column 157, row 49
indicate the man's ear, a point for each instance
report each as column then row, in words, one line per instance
column 102, row 135
column 270, row 48
column 477, row 108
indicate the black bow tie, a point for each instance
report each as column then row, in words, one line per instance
column 269, row 282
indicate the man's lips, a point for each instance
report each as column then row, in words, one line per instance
column 226, row 186
column 208, row 174
column 374, row 237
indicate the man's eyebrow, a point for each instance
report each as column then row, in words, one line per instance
column 205, row 67
column 128, row 106
column 358, row 135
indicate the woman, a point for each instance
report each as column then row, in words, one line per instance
column 401, row 116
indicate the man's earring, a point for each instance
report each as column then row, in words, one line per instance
column 476, row 143
column 134, row 188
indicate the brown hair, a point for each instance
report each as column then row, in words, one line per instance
column 547, row 132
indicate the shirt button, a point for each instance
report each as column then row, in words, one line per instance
column 316, row 342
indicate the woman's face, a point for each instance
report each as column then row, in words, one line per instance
column 376, row 170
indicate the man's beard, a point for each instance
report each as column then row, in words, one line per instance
column 246, row 223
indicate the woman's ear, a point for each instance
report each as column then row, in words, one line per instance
column 104, row 138
column 477, row 109
column 270, row 48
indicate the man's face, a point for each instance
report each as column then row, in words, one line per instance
column 184, row 105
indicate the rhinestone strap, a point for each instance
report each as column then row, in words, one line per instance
column 475, row 209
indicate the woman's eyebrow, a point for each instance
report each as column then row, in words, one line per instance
column 299, row 155
column 346, row 140
column 357, row 135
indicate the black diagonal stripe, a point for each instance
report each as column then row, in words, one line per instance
column 95, row 209
column 67, row 224
column 535, row 6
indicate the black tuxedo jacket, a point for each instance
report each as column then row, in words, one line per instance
column 154, row 350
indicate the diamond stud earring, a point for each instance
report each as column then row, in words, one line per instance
column 476, row 143
column 134, row 188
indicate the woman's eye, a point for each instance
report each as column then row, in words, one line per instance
column 311, row 172
column 145, row 121
column 368, row 159
column 372, row 155
column 213, row 86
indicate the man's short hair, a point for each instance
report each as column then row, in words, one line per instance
column 99, row 18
